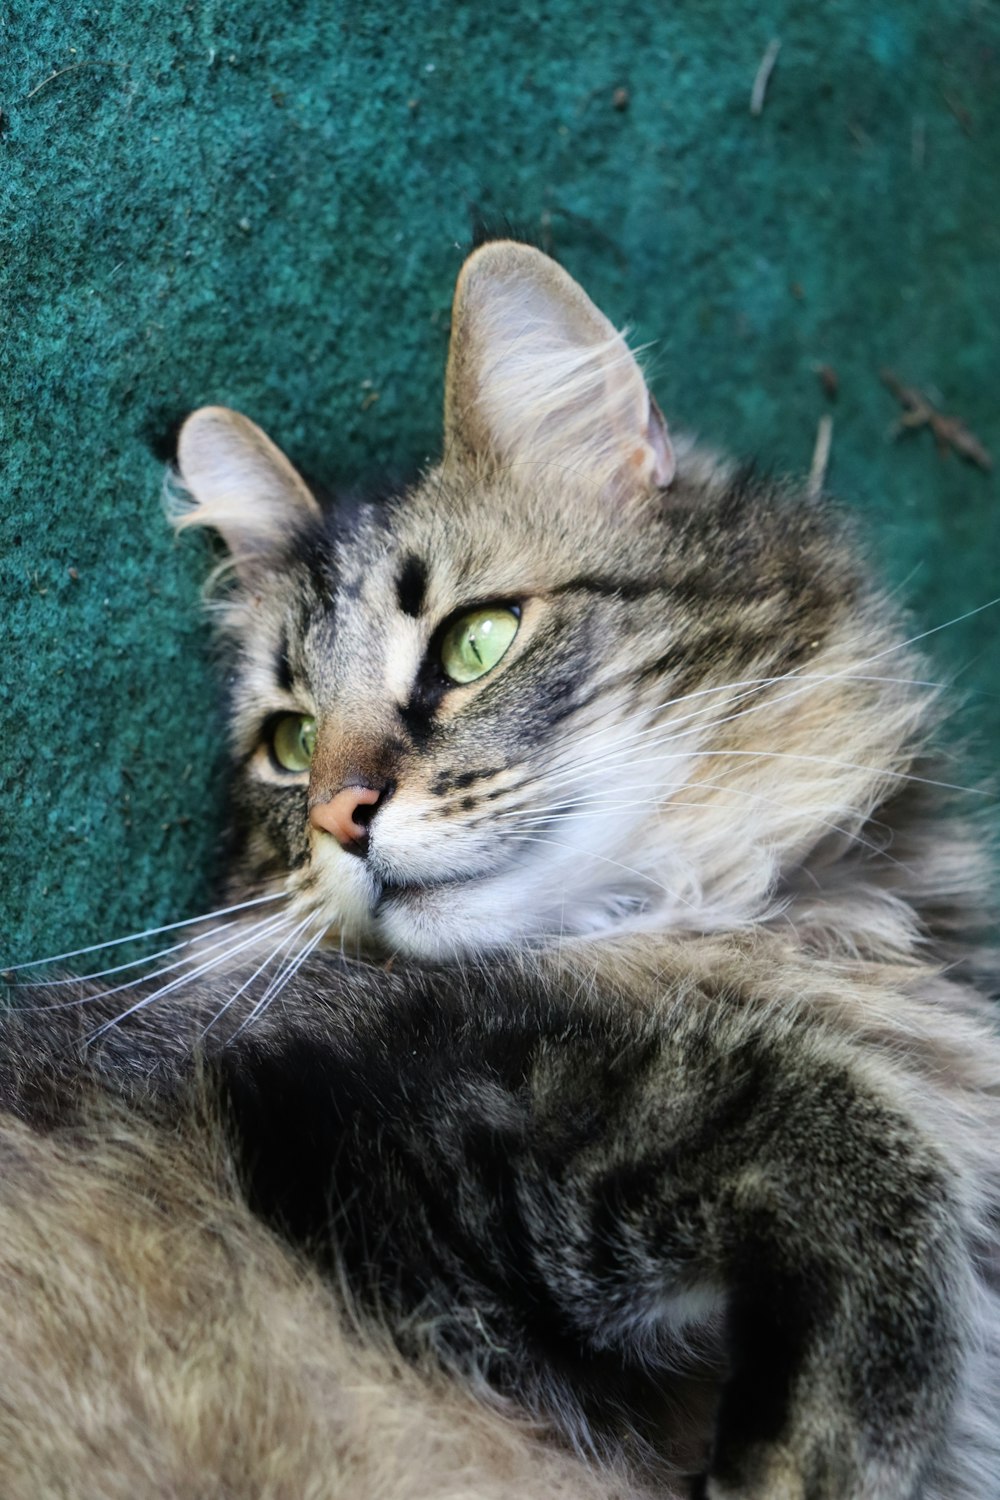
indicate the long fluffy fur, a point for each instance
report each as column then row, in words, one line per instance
column 689, row 831
column 158, row 1341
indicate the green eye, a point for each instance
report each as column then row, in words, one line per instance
column 476, row 642
column 293, row 741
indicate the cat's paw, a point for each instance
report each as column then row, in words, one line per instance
column 780, row 1480
column 790, row 1488
column 775, row 1471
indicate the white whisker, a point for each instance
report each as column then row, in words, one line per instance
column 661, row 806
column 281, row 978
column 700, row 717
column 259, row 970
column 847, row 765
column 236, row 929
column 174, row 984
column 913, row 639
column 602, row 765
column 135, row 963
column 135, row 937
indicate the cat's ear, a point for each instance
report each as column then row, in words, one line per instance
column 538, row 376
column 241, row 486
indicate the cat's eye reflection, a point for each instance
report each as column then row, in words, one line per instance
column 293, row 740
column 477, row 641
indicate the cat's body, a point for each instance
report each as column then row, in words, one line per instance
column 672, row 1120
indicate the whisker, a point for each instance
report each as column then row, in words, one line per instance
column 280, row 979
column 750, row 686
column 957, row 620
column 847, row 765
column 601, row 766
column 657, row 708
column 134, row 937
column 256, row 931
column 286, row 980
column 624, row 745
column 167, row 989
column 628, row 743
column 135, row 963
column 804, row 679
column 259, row 970
column 848, row 673
column 661, row 806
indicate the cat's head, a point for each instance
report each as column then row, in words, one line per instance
column 570, row 682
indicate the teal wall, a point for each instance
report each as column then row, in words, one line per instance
column 266, row 205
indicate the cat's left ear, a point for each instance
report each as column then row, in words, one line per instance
column 539, row 377
column 242, row 486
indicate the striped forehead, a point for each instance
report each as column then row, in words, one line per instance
column 367, row 644
column 399, row 573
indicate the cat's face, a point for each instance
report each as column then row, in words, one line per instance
column 563, row 686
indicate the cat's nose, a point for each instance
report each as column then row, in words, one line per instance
column 346, row 816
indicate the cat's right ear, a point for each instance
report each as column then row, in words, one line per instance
column 538, row 378
column 241, row 486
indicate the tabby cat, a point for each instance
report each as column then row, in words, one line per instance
column 590, row 1088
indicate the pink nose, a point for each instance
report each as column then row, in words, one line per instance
column 339, row 815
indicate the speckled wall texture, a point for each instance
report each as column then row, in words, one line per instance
column 265, row 205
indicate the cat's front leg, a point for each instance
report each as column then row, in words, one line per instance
column 764, row 1164
column 842, row 1338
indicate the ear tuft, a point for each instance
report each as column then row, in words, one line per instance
column 241, row 486
column 539, row 377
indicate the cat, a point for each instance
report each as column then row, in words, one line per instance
column 590, row 1086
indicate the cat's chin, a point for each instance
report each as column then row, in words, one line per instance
column 436, row 919
column 460, row 919
column 440, row 923
column 422, row 921
column 462, row 916
column 421, row 924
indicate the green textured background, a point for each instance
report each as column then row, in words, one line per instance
column 265, row 205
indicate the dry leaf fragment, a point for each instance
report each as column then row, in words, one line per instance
column 950, row 432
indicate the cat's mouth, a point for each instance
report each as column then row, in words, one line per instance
column 393, row 882
column 388, row 890
column 393, row 906
column 427, row 918
column 443, row 914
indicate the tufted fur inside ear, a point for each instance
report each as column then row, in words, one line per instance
column 241, row 486
column 538, row 376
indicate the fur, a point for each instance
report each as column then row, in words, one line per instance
column 616, row 1106
column 158, row 1342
